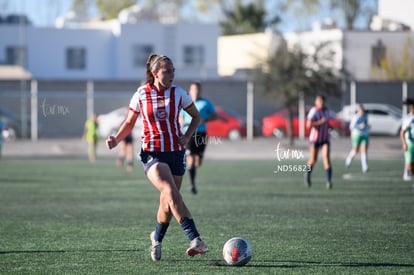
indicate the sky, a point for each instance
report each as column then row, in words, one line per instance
column 43, row 13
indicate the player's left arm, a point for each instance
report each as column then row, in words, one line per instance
column 124, row 130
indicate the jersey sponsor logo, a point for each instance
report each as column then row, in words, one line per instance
column 161, row 114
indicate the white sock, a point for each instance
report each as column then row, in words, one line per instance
column 406, row 174
column 364, row 161
column 349, row 158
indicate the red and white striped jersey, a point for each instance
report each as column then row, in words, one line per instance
column 319, row 134
column 160, row 111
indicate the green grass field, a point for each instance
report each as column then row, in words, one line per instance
column 69, row 216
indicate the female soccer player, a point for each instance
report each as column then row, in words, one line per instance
column 198, row 142
column 163, row 147
column 360, row 138
column 407, row 139
column 317, row 120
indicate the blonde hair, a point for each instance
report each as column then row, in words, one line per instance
column 153, row 64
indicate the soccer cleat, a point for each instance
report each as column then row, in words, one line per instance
column 155, row 248
column 197, row 246
column 193, row 190
column 407, row 178
column 329, row 185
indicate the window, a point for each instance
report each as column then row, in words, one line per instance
column 378, row 52
column 193, row 55
column 140, row 54
column 76, row 58
column 377, row 112
column 16, row 55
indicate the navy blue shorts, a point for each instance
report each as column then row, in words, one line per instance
column 318, row 145
column 197, row 144
column 174, row 160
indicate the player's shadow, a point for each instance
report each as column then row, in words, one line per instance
column 301, row 264
column 220, row 262
column 294, row 264
column 69, row 251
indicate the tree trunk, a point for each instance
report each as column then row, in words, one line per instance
column 289, row 127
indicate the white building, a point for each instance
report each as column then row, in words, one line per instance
column 359, row 53
column 310, row 41
column 116, row 50
column 239, row 53
column 110, row 51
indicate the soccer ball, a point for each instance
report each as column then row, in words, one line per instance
column 237, row 251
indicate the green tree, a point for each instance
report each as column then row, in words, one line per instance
column 242, row 19
column 109, row 9
column 350, row 10
column 398, row 65
column 289, row 73
column 300, row 8
column 81, row 7
column 353, row 9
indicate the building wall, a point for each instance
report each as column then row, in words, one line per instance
column 358, row 45
column 353, row 49
column 309, row 41
column 109, row 50
column 246, row 51
column 168, row 40
column 47, row 53
column 10, row 36
column 130, row 35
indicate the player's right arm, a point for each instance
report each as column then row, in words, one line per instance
column 311, row 122
column 124, row 130
column 212, row 114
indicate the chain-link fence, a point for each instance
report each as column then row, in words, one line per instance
column 59, row 109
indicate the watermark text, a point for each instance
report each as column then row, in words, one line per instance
column 54, row 109
column 285, row 156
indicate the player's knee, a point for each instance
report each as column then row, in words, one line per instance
column 167, row 195
column 170, row 192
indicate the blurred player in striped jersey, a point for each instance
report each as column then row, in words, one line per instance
column 318, row 122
